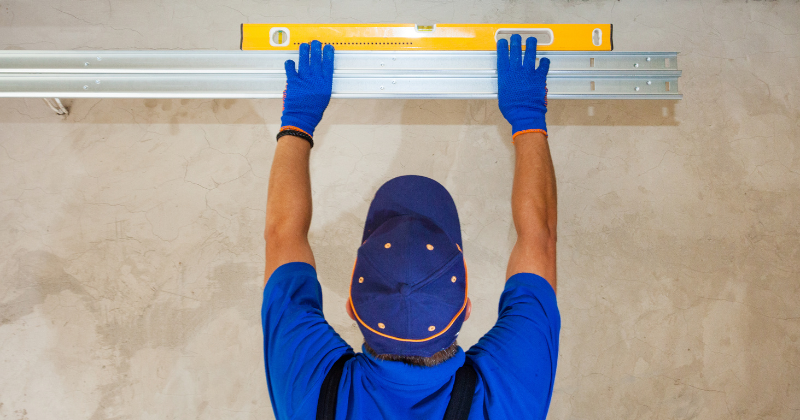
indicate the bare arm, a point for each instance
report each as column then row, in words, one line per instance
column 307, row 94
column 533, row 206
column 288, row 206
column 522, row 98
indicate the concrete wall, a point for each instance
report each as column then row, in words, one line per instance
column 131, row 249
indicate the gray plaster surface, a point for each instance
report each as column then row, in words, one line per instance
column 131, row 248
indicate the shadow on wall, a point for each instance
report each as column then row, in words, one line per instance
column 264, row 111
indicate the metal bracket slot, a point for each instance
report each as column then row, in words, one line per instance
column 358, row 74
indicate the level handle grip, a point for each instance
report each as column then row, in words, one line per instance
column 544, row 36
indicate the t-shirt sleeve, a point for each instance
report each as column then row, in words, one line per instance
column 299, row 345
column 516, row 359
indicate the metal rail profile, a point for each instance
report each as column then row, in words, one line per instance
column 358, row 74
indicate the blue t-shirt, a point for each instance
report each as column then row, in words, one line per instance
column 515, row 360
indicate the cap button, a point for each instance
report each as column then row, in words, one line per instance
column 405, row 290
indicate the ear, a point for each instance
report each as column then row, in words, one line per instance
column 349, row 310
column 468, row 309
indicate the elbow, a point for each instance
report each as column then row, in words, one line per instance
column 539, row 250
column 282, row 230
column 541, row 230
column 542, row 236
column 551, row 233
column 271, row 230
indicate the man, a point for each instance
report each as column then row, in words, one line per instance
column 408, row 292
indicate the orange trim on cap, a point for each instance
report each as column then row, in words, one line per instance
column 410, row 340
column 291, row 127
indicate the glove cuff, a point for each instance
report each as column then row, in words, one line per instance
column 529, row 125
column 291, row 122
column 535, row 130
column 293, row 128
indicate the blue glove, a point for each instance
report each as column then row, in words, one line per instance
column 308, row 91
column 522, row 88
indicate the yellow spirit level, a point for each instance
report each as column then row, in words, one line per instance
column 440, row 37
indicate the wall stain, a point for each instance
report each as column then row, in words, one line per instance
column 161, row 323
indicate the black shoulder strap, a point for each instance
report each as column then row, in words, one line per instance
column 326, row 406
column 457, row 409
column 463, row 390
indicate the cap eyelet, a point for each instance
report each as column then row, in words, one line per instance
column 381, row 326
column 452, row 279
column 430, row 247
column 361, row 279
column 388, row 245
column 431, row 328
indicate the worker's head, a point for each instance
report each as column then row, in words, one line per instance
column 408, row 292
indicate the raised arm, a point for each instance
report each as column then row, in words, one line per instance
column 533, row 205
column 288, row 205
column 522, row 98
column 307, row 94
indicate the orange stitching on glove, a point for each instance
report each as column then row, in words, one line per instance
column 545, row 96
column 291, row 127
column 283, row 104
column 534, row 130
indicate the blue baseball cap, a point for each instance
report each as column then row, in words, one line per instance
column 409, row 286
